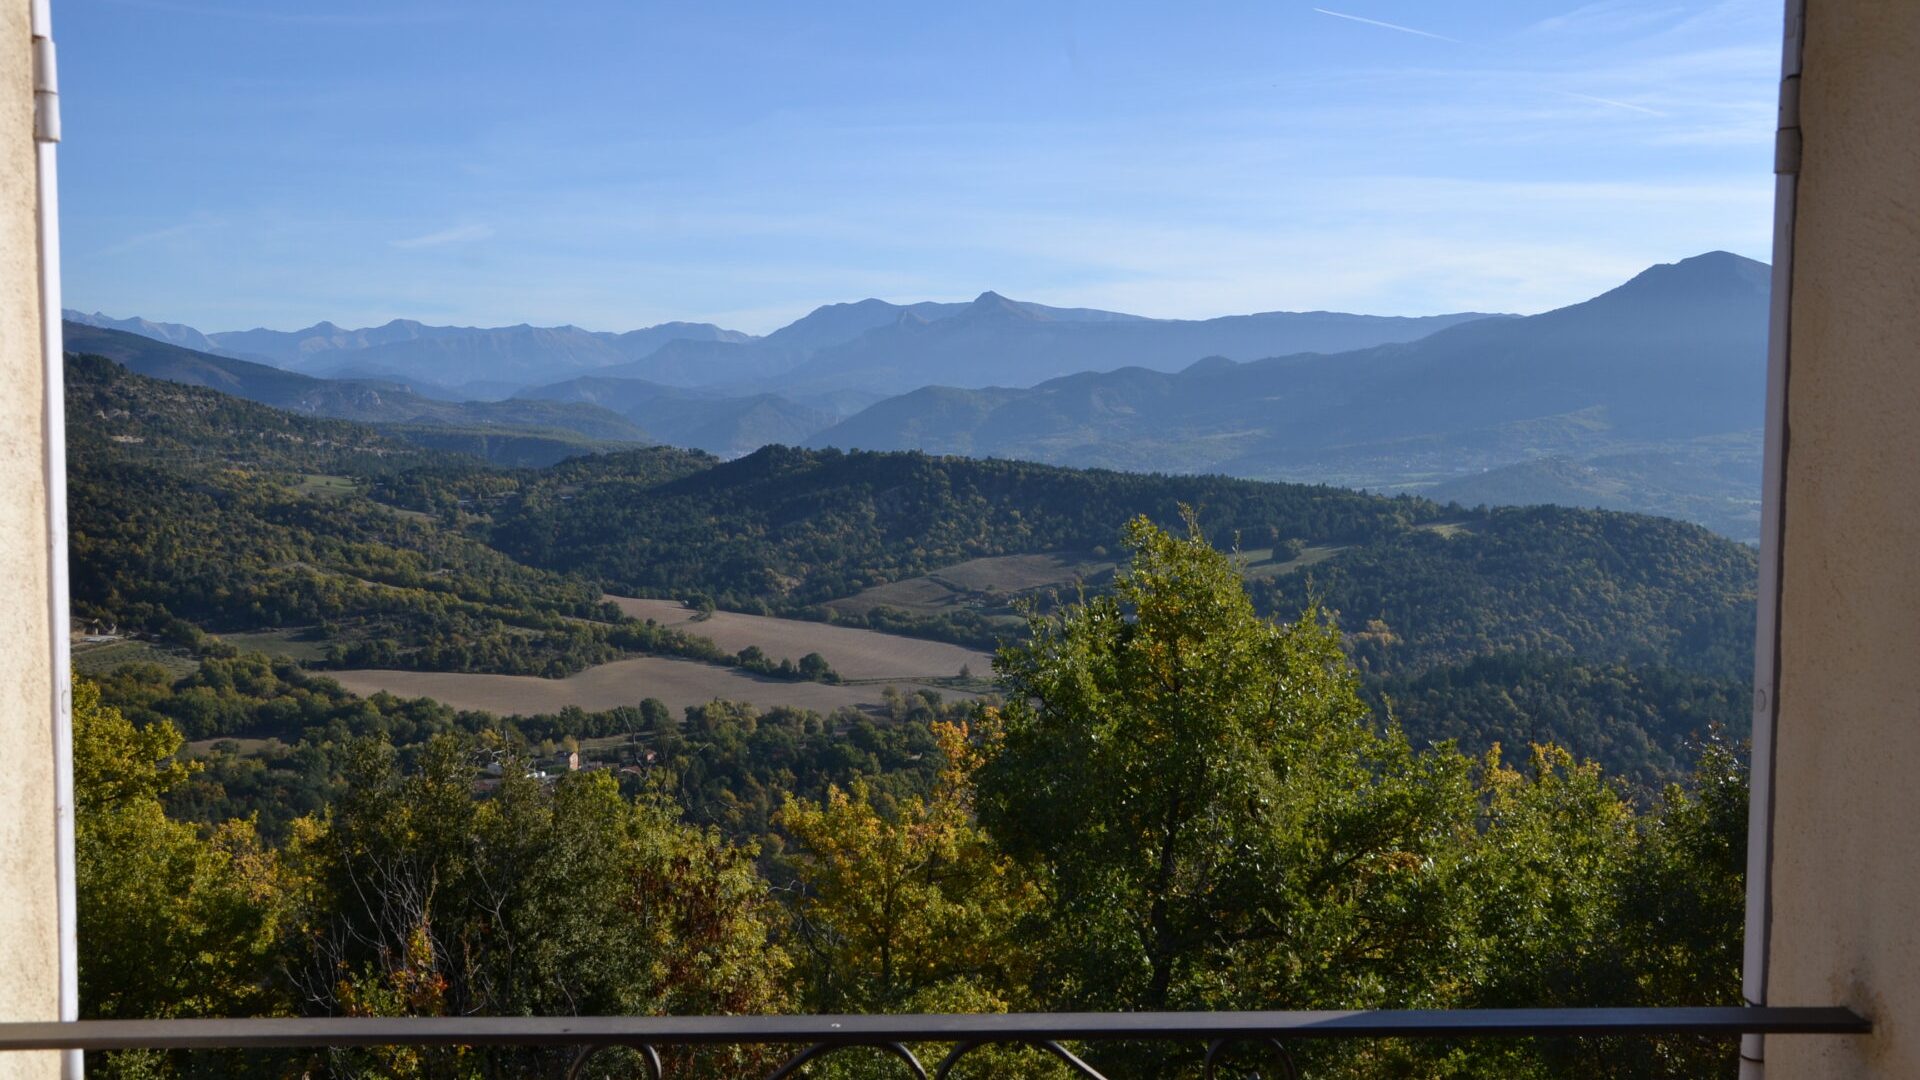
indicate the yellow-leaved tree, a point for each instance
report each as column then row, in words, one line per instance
column 908, row 905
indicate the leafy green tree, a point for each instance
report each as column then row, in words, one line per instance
column 172, row 922
column 1682, row 913
column 1201, row 797
column 815, row 667
column 549, row 898
column 1583, row 904
column 1578, row 902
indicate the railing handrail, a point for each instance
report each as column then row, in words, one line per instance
column 601, row 1031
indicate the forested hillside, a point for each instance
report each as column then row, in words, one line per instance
column 195, row 512
column 789, row 528
column 1615, row 588
column 786, row 526
column 1419, row 589
column 191, row 511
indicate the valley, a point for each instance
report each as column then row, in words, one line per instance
column 418, row 564
column 1645, row 398
column 325, row 633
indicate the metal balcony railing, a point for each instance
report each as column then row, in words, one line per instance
column 816, row 1036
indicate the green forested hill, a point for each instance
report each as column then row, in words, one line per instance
column 1623, row 636
column 1646, row 722
column 796, row 527
column 110, row 408
column 192, row 510
column 1593, row 584
column 1620, row 635
column 791, row 526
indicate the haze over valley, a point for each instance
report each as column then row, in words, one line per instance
column 1644, row 398
column 685, row 513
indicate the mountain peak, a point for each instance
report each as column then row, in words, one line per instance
column 1712, row 268
column 1717, row 258
column 992, row 304
column 1681, row 290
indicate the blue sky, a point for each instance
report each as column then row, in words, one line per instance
column 237, row 163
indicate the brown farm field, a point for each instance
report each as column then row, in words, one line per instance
column 677, row 683
column 869, row 659
column 989, row 584
column 854, row 653
column 1259, row 563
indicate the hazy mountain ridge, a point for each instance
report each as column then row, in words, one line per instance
column 456, row 355
column 994, row 341
column 744, row 366
column 703, row 420
column 172, row 333
column 1670, row 363
column 871, row 344
column 1646, row 397
column 546, row 430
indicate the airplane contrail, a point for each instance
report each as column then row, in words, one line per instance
column 1610, row 101
column 1388, row 25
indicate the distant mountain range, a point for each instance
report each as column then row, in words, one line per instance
column 172, row 333
column 999, row 342
column 874, row 346
column 1647, row 397
column 444, row 360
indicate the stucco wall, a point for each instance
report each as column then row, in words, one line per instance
column 1846, row 893
column 28, row 960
